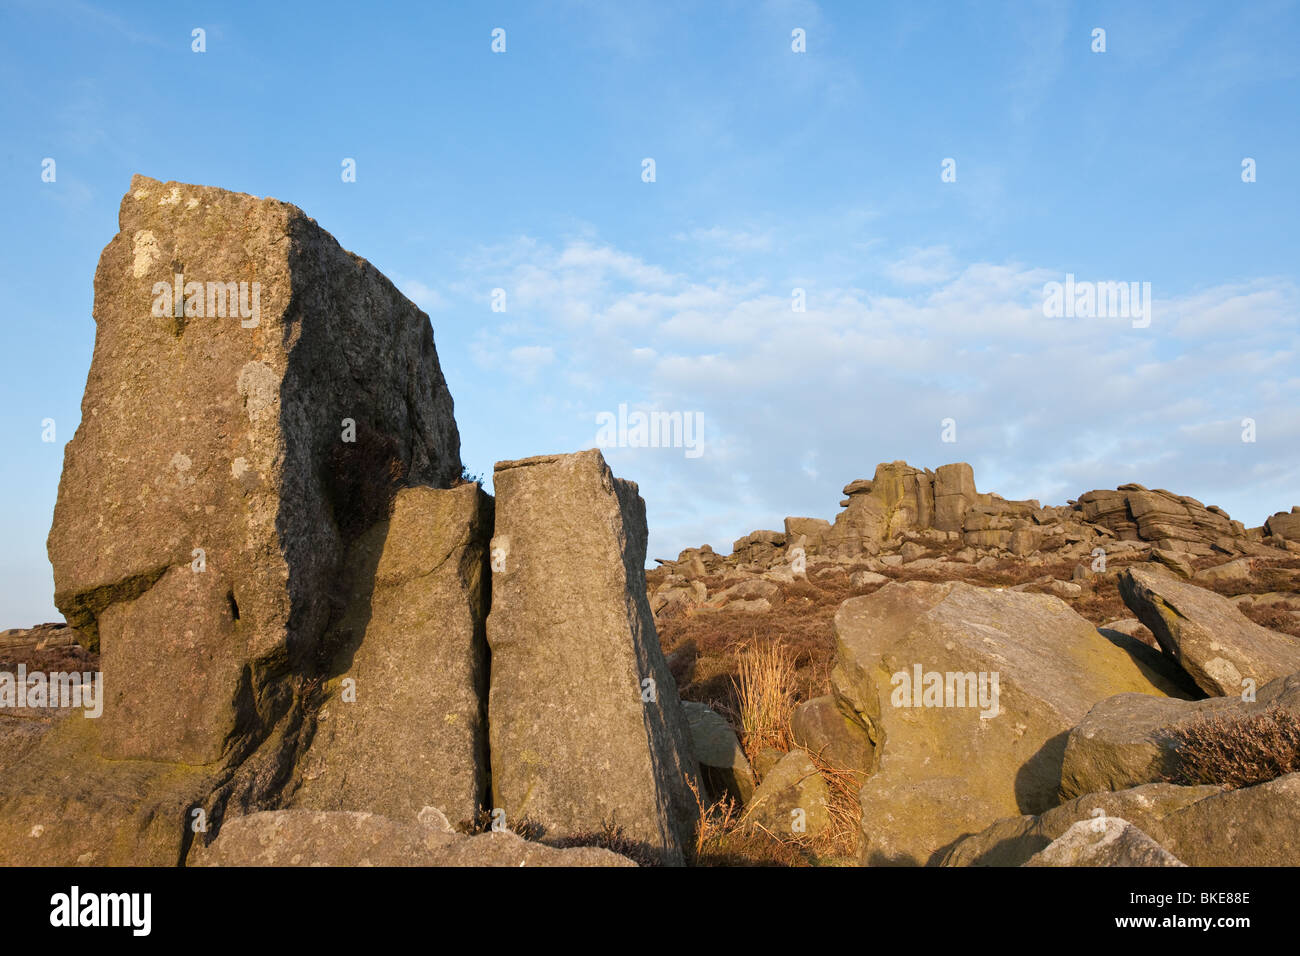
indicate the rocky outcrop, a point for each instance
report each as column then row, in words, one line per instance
column 340, row 838
column 402, row 722
column 209, row 493
column 1284, row 525
column 970, row 693
column 1215, row 643
column 1131, row 512
column 585, row 724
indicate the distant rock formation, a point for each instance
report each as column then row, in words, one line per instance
column 903, row 513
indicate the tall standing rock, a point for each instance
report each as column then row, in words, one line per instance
column 585, row 724
column 210, row 491
column 404, row 723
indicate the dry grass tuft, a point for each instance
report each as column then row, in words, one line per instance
column 765, row 689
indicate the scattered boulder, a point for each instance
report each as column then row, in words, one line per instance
column 1231, row 573
column 866, row 579
column 835, row 734
column 1205, row 633
column 1130, row 739
column 1176, row 561
column 1106, row 841
column 985, row 746
column 1201, row 826
column 722, row 760
column 792, row 801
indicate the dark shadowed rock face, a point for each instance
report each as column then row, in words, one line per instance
column 585, row 724
column 225, row 433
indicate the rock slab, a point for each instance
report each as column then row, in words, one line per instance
column 586, row 728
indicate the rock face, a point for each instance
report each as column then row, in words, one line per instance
column 1214, row 642
column 983, row 747
column 1134, row 513
column 208, row 430
column 231, row 449
column 1202, row 826
column 1284, row 525
column 1130, row 739
column 306, row 838
column 585, row 723
column 404, row 723
column 1107, row 841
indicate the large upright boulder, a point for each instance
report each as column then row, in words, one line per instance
column 586, row 728
column 1214, row 642
column 229, row 448
column 403, row 724
column 1004, row 675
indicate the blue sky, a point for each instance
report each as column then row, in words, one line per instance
column 774, row 170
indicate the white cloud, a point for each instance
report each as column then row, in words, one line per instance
column 798, row 404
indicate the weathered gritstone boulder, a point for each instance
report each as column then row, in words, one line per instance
column 1013, row 841
column 722, row 760
column 1214, row 642
column 793, row 799
column 574, row 652
column 223, row 430
column 413, row 663
column 1202, row 826
column 341, row 838
column 1133, row 513
column 945, row 770
column 1283, row 525
column 1130, row 739
column 1107, row 841
column 835, row 734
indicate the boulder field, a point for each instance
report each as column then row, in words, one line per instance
column 316, row 641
